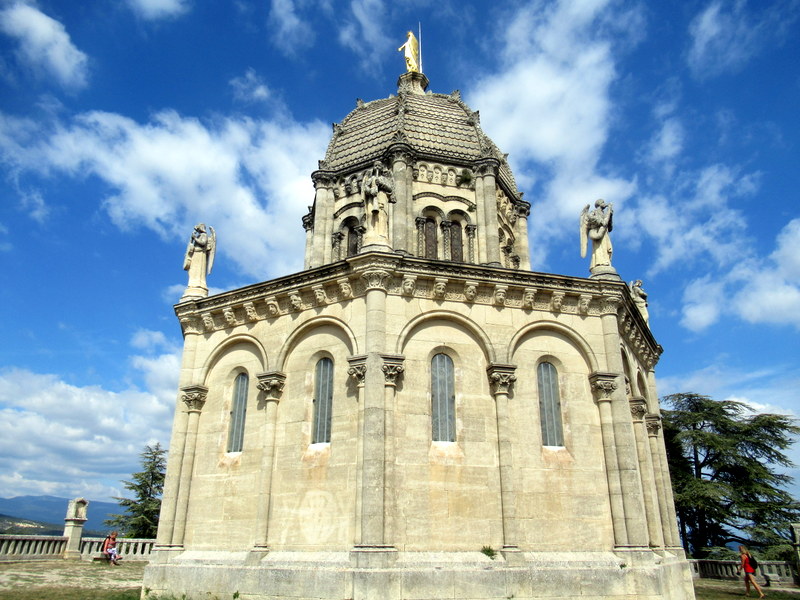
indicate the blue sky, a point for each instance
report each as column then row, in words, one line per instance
column 125, row 122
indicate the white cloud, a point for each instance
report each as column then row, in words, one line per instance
column 159, row 9
column 248, row 178
column 550, row 108
column 44, row 45
column 61, row 439
column 290, row 33
column 668, row 142
column 725, row 35
column 250, row 88
column 362, row 32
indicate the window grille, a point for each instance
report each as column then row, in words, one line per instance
column 549, row 405
column 238, row 412
column 323, row 401
column 443, row 399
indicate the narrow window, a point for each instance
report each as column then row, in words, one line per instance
column 456, row 242
column 238, row 412
column 549, row 405
column 352, row 240
column 323, row 401
column 443, row 399
column 431, row 251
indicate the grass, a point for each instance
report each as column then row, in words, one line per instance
column 69, row 593
column 710, row 589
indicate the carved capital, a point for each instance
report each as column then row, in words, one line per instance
column 440, row 288
column 308, row 221
column 638, row 408
column 653, row 423
column 250, row 311
column 345, row 289
column 392, row 368
column 230, row 316
column 501, row 377
column 194, row 396
column 610, row 304
column 358, row 369
column 190, row 324
column 271, row 384
column 603, row 385
column 557, row 301
column 376, row 279
column 500, row 292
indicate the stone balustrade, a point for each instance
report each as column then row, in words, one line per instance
column 31, row 547
column 772, row 571
column 47, row 547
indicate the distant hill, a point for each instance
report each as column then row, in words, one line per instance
column 49, row 512
column 13, row 525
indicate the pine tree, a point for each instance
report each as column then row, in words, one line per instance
column 140, row 519
column 723, row 460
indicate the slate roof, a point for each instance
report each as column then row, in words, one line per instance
column 437, row 126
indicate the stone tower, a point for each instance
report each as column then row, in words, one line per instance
column 416, row 414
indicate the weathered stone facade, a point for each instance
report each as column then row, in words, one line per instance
column 380, row 508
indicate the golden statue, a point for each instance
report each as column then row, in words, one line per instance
column 411, row 50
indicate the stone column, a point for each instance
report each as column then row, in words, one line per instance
column 401, row 233
column 470, row 230
column 655, row 529
column 671, row 535
column 323, row 219
column 376, row 278
column 486, row 194
column 603, row 385
column 73, row 527
column 630, row 479
column 272, row 385
column 308, row 225
column 446, row 225
column 194, row 397
column 392, row 374
column 420, row 223
column 653, row 423
column 501, row 377
column 523, row 210
column 336, row 252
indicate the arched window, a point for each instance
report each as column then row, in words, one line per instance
column 549, row 405
column 323, row 401
column 431, row 250
column 238, row 412
column 456, row 242
column 352, row 240
column 443, row 399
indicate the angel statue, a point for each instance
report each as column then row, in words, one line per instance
column 639, row 298
column 199, row 259
column 378, row 191
column 411, row 51
column 596, row 225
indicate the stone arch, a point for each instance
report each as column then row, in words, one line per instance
column 573, row 336
column 485, row 343
column 247, row 339
column 313, row 323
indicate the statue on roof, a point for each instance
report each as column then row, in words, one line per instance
column 639, row 298
column 596, row 225
column 411, row 52
column 378, row 191
column 199, row 259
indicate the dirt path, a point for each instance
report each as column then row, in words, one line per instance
column 70, row 574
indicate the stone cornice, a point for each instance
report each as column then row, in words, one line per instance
column 314, row 289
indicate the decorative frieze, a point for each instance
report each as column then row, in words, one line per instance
column 194, row 396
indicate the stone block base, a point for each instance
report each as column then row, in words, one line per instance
column 419, row 576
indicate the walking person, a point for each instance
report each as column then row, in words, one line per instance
column 748, row 565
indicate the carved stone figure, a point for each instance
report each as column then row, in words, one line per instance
column 411, row 52
column 596, row 225
column 378, row 192
column 470, row 291
column 640, row 298
column 199, row 259
column 409, row 285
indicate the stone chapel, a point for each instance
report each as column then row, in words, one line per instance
column 417, row 414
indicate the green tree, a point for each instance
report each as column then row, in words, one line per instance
column 723, row 460
column 140, row 519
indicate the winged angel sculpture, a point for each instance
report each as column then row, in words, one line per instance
column 596, row 225
column 199, row 259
